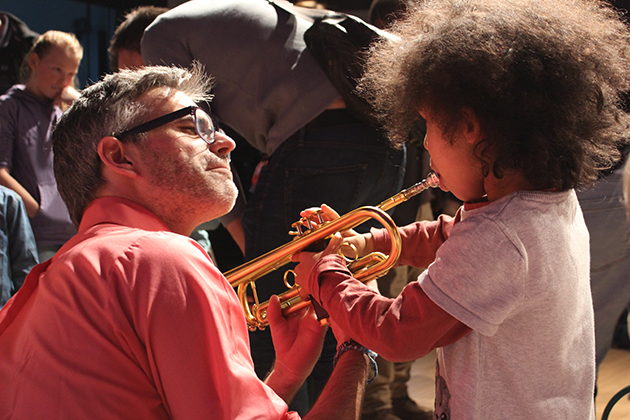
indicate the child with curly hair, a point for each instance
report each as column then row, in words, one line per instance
column 522, row 101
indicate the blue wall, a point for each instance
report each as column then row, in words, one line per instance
column 93, row 25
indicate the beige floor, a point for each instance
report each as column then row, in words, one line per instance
column 614, row 374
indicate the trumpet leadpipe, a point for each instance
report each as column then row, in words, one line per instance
column 280, row 256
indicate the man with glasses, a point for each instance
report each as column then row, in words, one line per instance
column 130, row 319
column 272, row 92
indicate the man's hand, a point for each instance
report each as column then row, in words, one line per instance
column 327, row 212
column 298, row 341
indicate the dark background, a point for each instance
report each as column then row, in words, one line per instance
column 94, row 21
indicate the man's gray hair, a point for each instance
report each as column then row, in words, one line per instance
column 107, row 107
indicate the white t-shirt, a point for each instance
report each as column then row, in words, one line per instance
column 517, row 272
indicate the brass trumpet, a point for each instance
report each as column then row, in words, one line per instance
column 365, row 268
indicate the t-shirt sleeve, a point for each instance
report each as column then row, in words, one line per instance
column 478, row 274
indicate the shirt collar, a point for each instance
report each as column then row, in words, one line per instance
column 120, row 211
column 471, row 205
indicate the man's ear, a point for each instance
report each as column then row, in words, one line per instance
column 473, row 132
column 117, row 156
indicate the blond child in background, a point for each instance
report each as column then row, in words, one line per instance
column 522, row 103
column 27, row 114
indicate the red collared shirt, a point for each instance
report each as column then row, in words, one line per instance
column 128, row 320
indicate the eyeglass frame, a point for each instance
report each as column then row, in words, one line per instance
column 170, row 117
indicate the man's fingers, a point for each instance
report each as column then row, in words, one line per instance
column 274, row 312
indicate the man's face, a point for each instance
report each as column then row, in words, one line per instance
column 129, row 59
column 186, row 177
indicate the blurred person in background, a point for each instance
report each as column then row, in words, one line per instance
column 27, row 115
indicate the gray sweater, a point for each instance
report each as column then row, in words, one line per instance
column 268, row 85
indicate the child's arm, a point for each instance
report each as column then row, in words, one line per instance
column 32, row 206
column 420, row 240
column 399, row 329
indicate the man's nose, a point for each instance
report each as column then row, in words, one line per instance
column 222, row 144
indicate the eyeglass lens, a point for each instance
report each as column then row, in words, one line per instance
column 205, row 126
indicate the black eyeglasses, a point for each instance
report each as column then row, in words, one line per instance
column 203, row 123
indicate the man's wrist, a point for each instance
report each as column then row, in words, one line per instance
column 370, row 355
column 284, row 383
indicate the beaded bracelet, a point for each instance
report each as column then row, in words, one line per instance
column 353, row 345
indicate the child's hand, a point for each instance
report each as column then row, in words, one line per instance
column 66, row 97
column 362, row 243
column 307, row 261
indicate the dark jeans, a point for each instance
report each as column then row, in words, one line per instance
column 335, row 159
column 605, row 217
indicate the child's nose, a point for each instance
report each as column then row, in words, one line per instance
column 67, row 80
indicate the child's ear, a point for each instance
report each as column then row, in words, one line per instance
column 472, row 127
column 33, row 60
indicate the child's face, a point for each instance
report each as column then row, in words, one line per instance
column 455, row 164
column 52, row 72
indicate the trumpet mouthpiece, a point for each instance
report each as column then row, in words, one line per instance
column 431, row 181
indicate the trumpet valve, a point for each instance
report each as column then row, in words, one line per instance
column 299, row 228
column 306, row 224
